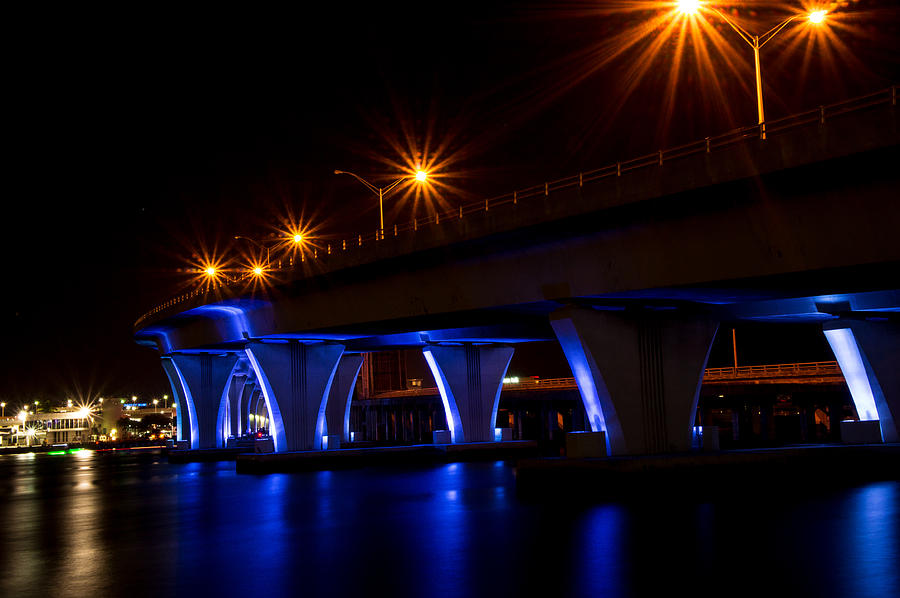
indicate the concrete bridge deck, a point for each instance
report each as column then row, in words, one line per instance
column 630, row 268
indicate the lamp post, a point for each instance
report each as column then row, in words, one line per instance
column 155, row 403
column 691, row 7
column 420, row 176
column 3, row 407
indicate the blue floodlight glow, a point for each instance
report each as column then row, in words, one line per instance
column 578, row 358
column 276, row 430
column 223, row 418
column 446, row 398
column 321, row 423
column 192, row 411
column 843, row 343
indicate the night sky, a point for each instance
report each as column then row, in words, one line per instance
column 142, row 137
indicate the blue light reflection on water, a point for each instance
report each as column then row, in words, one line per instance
column 135, row 525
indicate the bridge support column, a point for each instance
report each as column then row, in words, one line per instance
column 201, row 381
column 246, row 404
column 295, row 379
column 469, row 378
column 639, row 375
column 235, row 392
column 337, row 411
column 183, row 416
column 869, row 356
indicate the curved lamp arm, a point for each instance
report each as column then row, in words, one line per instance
column 371, row 187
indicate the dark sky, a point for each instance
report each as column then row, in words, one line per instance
column 139, row 136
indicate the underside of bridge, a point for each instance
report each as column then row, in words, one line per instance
column 631, row 275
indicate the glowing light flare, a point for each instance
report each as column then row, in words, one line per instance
column 817, row 16
column 421, row 175
column 688, row 7
column 257, row 271
column 297, row 238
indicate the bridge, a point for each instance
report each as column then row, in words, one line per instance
column 816, row 372
column 630, row 267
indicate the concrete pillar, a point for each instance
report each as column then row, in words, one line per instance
column 469, row 379
column 295, row 379
column 868, row 353
column 183, row 417
column 246, row 404
column 202, row 384
column 235, row 392
column 337, row 411
column 639, row 374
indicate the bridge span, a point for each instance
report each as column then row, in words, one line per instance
column 631, row 268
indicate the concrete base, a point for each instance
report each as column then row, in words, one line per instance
column 204, row 455
column 502, row 434
column 440, row 437
column 867, row 432
column 423, row 454
column 705, row 438
column 742, row 472
column 582, row 445
column 331, row 442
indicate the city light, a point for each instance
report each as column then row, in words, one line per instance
column 688, row 7
column 817, row 16
column 297, row 238
column 210, row 271
column 421, row 175
column 257, row 271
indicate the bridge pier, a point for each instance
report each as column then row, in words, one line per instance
column 868, row 354
column 183, row 416
column 469, row 378
column 201, row 382
column 246, row 403
column 639, row 375
column 337, row 410
column 235, row 392
column 295, row 379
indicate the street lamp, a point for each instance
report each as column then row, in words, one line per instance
column 155, row 403
column 3, row 407
column 692, row 7
column 165, row 401
column 420, row 177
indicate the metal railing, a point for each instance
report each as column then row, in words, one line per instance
column 703, row 146
column 782, row 370
column 748, row 372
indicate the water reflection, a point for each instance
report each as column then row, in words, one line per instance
column 871, row 538
column 92, row 524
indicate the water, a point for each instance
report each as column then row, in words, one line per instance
column 101, row 524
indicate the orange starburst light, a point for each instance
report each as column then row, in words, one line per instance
column 688, row 7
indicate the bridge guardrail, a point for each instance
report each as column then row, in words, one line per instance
column 819, row 116
column 779, row 370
